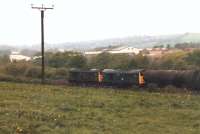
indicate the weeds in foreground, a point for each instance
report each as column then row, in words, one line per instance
column 35, row 109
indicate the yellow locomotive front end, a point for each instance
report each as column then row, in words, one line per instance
column 141, row 80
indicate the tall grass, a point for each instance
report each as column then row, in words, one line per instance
column 35, row 109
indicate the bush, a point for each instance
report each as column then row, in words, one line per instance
column 4, row 77
column 61, row 73
column 50, row 73
column 16, row 69
column 33, row 72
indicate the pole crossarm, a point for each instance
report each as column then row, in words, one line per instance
column 41, row 7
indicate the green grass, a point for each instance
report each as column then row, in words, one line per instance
column 35, row 109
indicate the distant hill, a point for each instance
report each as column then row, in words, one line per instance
column 190, row 37
column 135, row 41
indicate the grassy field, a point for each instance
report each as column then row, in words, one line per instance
column 35, row 109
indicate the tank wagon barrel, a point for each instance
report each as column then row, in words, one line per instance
column 178, row 78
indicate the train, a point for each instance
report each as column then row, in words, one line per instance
column 138, row 77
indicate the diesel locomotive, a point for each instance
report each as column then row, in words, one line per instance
column 107, row 77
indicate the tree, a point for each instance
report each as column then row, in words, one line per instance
column 194, row 58
column 121, row 61
column 173, row 61
column 57, row 59
column 78, row 61
column 4, row 59
column 66, row 59
column 142, row 61
column 101, row 61
column 168, row 46
column 4, row 52
column 158, row 46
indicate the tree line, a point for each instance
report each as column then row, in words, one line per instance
column 58, row 64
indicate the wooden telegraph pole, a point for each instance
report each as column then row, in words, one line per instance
column 42, row 9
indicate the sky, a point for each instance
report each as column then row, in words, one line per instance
column 85, row 20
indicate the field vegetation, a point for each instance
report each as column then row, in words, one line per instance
column 58, row 64
column 45, row 109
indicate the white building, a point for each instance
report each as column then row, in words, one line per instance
column 37, row 57
column 119, row 50
column 93, row 52
column 125, row 50
column 15, row 56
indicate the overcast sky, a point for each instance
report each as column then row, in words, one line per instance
column 82, row 20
